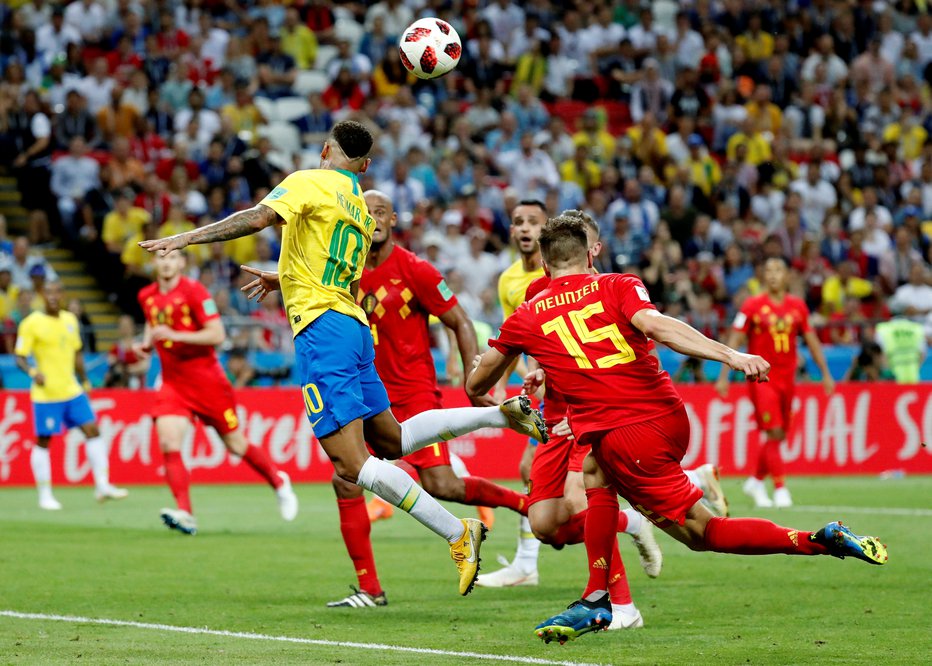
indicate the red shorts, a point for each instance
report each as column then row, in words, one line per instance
column 642, row 462
column 551, row 463
column 435, row 455
column 773, row 404
column 213, row 403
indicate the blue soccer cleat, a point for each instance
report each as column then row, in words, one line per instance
column 842, row 542
column 579, row 618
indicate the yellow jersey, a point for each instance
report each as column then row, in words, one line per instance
column 325, row 240
column 513, row 284
column 53, row 342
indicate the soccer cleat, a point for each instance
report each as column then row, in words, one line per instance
column 622, row 620
column 110, row 492
column 287, row 500
column 754, row 488
column 360, row 599
column 486, row 515
column 465, row 553
column 782, row 498
column 579, row 618
column 842, row 542
column 49, row 504
column 379, row 509
column 508, row 576
column 713, row 495
column 522, row 418
column 648, row 550
column 179, row 520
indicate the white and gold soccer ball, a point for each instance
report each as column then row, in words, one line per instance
column 430, row 48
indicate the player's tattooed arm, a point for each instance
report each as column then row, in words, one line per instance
column 237, row 225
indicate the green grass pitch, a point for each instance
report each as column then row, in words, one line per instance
column 248, row 571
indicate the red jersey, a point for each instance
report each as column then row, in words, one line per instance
column 579, row 329
column 398, row 296
column 187, row 307
column 772, row 328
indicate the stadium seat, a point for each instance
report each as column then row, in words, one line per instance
column 267, row 108
column 291, row 108
column 310, row 81
column 284, row 136
column 325, row 53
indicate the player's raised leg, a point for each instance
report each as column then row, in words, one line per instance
column 171, row 430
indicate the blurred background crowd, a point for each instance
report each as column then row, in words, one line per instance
column 703, row 136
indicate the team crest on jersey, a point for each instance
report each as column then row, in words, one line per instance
column 277, row 193
column 369, row 301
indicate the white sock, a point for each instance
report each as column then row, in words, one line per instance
column 624, row 609
column 635, row 522
column 99, row 457
column 41, row 470
column 398, row 489
column 693, row 477
column 440, row 425
column 528, row 548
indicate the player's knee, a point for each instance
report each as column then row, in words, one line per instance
column 43, row 442
column 344, row 489
column 91, row 430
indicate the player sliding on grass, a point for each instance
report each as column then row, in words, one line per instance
column 326, row 237
column 183, row 325
column 53, row 339
column 590, row 335
column 771, row 322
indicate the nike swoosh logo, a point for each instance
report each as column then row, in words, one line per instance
column 472, row 551
column 314, row 423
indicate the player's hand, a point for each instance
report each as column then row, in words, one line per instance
column 265, row 283
column 562, row 429
column 39, row 379
column 533, row 381
column 165, row 245
column 721, row 387
column 754, row 367
column 162, row 333
column 141, row 350
column 828, row 384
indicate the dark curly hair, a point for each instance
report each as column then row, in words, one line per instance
column 354, row 138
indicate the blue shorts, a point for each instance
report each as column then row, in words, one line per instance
column 335, row 357
column 49, row 417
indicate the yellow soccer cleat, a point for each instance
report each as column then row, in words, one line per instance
column 465, row 553
column 524, row 419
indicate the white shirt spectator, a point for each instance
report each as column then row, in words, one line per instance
column 856, row 219
column 605, row 36
column 504, row 19
column 404, row 196
column 923, row 43
column 689, row 48
column 642, row 39
column 50, row 43
column 643, row 216
column 478, row 271
column 214, row 47
column 19, row 273
column 88, row 19
column 394, row 20
column 520, row 43
column 40, row 126
column 914, row 296
column 836, row 69
column 208, row 121
column 818, row 199
column 769, row 208
column 531, row 174
column 97, row 93
column 876, row 242
column 33, row 17
column 829, row 171
column 891, row 46
column 74, row 176
column 359, row 64
column 496, row 50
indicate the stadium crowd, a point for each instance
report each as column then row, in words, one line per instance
column 703, row 136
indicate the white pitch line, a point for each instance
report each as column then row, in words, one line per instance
column 880, row 510
column 288, row 639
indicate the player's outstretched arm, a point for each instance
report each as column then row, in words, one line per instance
column 683, row 338
column 243, row 223
column 735, row 340
column 265, row 283
column 211, row 335
column 491, row 366
column 818, row 355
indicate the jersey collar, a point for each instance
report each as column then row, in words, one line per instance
column 353, row 177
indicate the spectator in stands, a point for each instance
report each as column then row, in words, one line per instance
column 123, row 222
column 75, row 120
column 240, row 371
column 904, row 346
column 73, row 176
column 117, row 119
column 624, row 246
column 914, row 299
column 844, row 285
column 88, row 337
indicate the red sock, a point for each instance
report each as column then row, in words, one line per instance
column 762, row 463
column 482, row 492
column 354, row 524
column 259, row 460
column 176, row 474
column 618, row 589
column 774, row 462
column 601, row 522
column 572, row 531
column 755, row 536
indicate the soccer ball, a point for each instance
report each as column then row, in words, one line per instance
column 430, row 48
